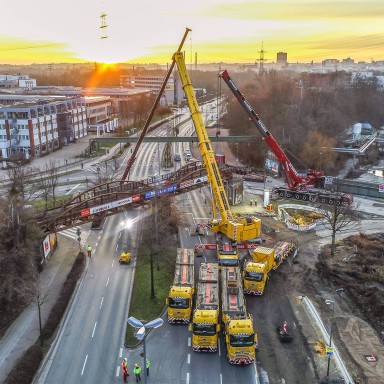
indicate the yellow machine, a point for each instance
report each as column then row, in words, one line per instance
column 125, row 258
column 234, row 227
column 255, row 273
column 240, row 337
column 205, row 325
column 180, row 296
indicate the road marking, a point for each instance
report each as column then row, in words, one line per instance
column 117, row 246
column 189, row 359
column 85, row 362
column 94, row 328
column 72, row 189
column 101, row 304
column 96, row 244
column 117, row 371
column 98, row 238
column 257, row 380
column 107, row 282
column 187, row 381
column 113, row 262
column 121, row 352
column 221, row 378
column 189, row 341
column 218, row 342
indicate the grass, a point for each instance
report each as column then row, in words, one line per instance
column 142, row 306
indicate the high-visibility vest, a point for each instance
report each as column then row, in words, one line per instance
column 147, row 363
column 137, row 370
column 89, row 248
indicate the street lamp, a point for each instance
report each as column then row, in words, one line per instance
column 141, row 335
column 329, row 302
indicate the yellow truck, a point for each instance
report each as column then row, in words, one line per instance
column 255, row 273
column 227, row 253
column 240, row 337
column 205, row 325
column 180, row 297
column 125, row 257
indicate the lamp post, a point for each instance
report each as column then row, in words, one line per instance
column 329, row 302
column 141, row 335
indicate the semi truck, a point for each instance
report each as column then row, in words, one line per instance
column 263, row 261
column 237, row 324
column 205, row 325
column 180, row 297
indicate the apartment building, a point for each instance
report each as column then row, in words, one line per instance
column 36, row 127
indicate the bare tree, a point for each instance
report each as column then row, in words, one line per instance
column 38, row 295
column 53, row 178
column 338, row 218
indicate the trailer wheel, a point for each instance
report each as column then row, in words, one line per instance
column 305, row 197
column 289, row 195
column 323, row 200
column 312, row 198
column 281, row 193
column 297, row 196
column 338, row 202
column 330, row 201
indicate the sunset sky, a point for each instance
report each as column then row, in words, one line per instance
column 46, row 31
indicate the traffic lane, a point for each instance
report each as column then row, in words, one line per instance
column 103, row 365
column 279, row 361
column 77, row 343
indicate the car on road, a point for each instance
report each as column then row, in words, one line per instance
column 177, row 157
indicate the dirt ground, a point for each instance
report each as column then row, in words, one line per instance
column 358, row 268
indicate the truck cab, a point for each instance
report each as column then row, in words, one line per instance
column 255, row 277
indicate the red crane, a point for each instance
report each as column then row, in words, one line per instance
column 298, row 187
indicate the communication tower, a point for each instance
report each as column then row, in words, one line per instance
column 261, row 60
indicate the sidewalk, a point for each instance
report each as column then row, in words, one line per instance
column 24, row 332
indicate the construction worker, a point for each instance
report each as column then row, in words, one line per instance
column 124, row 368
column 137, row 371
column 147, row 364
column 251, row 202
column 89, row 250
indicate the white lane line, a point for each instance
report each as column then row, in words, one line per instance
column 101, row 304
column 98, row 238
column 85, row 362
column 187, row 381
column 218, row 342
column 96, row 244
column 221, row 378
column 107, row 282
column 117, row 246
column 189, row 341
column 257, row 381
column 121, row 352
column 94, row 328
column 70, row 191
column 113, row 262
column 189, row 359
column 117, row 371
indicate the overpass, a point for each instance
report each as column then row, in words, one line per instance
column 117, row 196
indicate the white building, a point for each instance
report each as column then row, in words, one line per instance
column 16, row 81
column 173, row 92
column 34, row 128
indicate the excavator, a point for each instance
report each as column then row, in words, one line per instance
column 297, row 187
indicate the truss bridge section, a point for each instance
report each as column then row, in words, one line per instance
column 117, row 196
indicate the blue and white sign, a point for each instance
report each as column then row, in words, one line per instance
column 161, row 191
column 381, row 188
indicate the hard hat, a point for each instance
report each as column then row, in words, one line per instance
column 136, row 365
column 125, row 359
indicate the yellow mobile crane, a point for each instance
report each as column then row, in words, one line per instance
column 234, row 227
